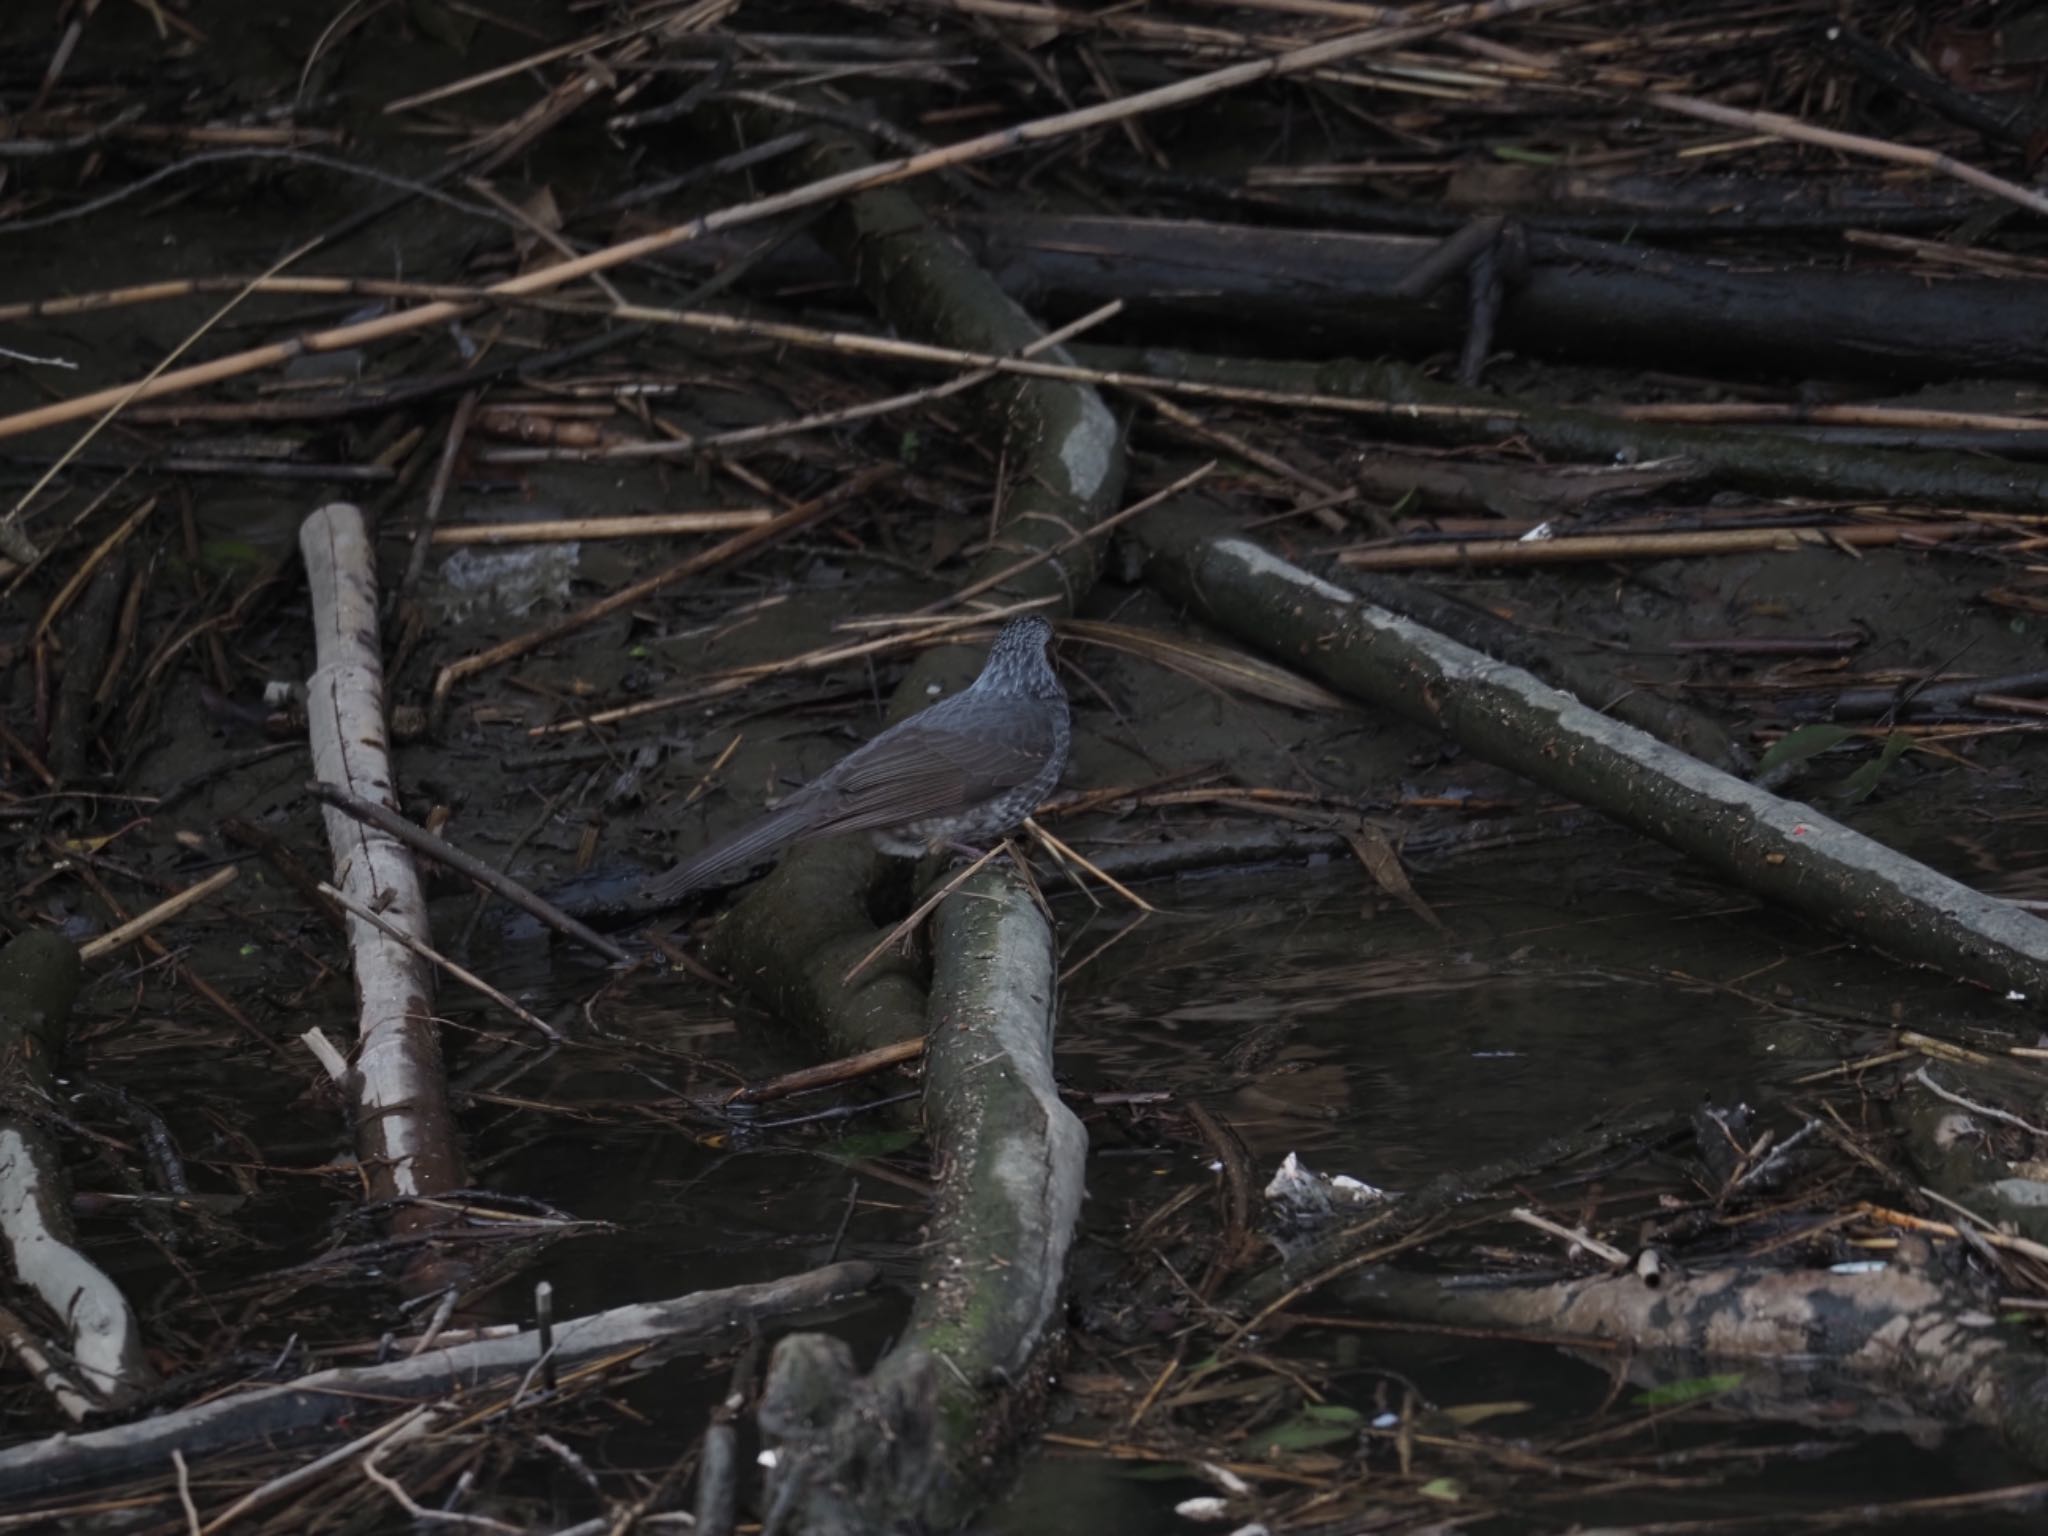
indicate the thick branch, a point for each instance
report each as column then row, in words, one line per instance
column 705, row 1321
column 899, row 1450
column 1781, row 850
column 405, row 1133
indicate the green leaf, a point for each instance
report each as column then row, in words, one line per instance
column 1864, row 779
column 1303, row 1433
column 1687, row 1391
column 1797, row 746
column 1332, row 1413
column 1449, row 1489
column 875, row 1143
column 223, row 557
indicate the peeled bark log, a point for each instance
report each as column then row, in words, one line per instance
column 405, row 1132
column 1920, row 1347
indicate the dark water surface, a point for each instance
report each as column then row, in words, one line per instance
column 1318, row 1017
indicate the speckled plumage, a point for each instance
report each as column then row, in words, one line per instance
column 968, row 769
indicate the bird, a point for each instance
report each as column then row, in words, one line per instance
column 968, row 768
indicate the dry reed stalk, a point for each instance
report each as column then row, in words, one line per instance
column 884, row 173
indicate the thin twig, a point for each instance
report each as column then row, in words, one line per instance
column 811, row 194
column 161, row 913
column 428, row 953
column 387, row 820
column 916, row 916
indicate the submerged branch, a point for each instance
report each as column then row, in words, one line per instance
column 704, row 1321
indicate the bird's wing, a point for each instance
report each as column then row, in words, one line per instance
column 918, row 771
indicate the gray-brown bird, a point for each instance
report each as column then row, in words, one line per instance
column 966, row 770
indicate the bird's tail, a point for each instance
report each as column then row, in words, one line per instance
column 736, row 852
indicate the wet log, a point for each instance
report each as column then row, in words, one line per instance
column 898, row 1449
column 1330, row 292
column 1770, row 463
column 1780, row 850
column 39, row 973
column 405, row 1131
column 1920, row 1347
column 1679, row 724
column 266, row 1415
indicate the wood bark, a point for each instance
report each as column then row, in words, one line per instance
column 704, row 1321
column 405, row 1131
column 1781, row 850
column 1331, row 292
column 39, row 973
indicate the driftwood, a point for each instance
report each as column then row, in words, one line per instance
column 405, row 1132
column 1951, row 1138
column 888, row 1453
column 1332, row 290
column 1903, row 1332
column 647, row 1331
column 1780, row 850
column 1770, row 463
column 1683, row 727
column 39, row 973
column 793, row 937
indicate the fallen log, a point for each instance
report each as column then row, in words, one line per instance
column 645, row 1331
column 1781, row 850
column 405, row 1131
column 1334, row 291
